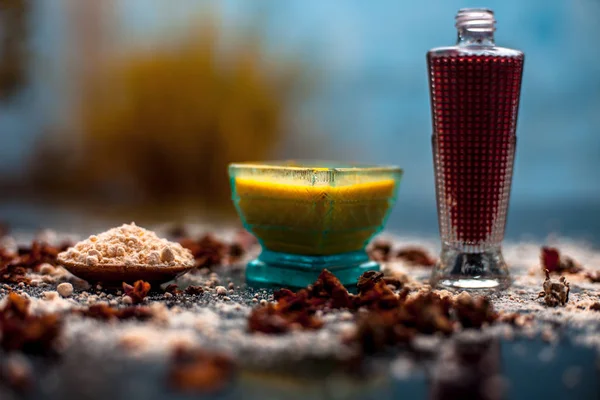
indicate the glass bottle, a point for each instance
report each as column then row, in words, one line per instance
column 475, row 89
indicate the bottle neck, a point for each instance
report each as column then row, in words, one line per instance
column 475, row 27
column 468, row 37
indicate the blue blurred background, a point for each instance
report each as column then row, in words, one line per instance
column 131, row 109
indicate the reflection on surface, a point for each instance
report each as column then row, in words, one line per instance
column 469, row 367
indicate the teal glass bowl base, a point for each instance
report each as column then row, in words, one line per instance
column 274, row 269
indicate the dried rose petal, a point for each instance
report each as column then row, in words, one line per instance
column 376, row 331
column 199, row 371
column 208, row 251
column 173, row 289
column 16, row 306
column 297, row 309
column 242, row 242
column 325, row 293
column 416, row 256
column 14, row 267
column 552, row 261
column 21, row 331
column 282, row 294
column 550, row 258
column 379, row 296
column 138, row 291
column 236, row 251
column 13, row 274
column 593, row 276
column 515, row 319
column 425, row 313
column 474, row 312
column 267, row 319
column 393, row 281
column 325, row 283
column 16, row 373
column 106, row 313
column 380, row 250
column 273, row 320
column 428, row 313
column 194, row 290
column 368, row 279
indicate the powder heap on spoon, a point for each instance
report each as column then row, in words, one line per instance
column 127, row 245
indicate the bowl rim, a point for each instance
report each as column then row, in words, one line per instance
column 312, row 165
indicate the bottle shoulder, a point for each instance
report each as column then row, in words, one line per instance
column 450, row 51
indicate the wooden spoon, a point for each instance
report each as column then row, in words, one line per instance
column 115, row 275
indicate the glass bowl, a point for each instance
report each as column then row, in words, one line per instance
column 309, row 216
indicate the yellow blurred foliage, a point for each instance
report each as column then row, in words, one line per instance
column 159, row 128
column 15, row 17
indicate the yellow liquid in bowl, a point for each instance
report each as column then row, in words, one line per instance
column 313, row 220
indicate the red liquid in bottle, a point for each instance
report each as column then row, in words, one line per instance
column 474, row 100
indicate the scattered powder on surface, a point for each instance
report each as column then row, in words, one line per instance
column 127, row 245
column 208, row 321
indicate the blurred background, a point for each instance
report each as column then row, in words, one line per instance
column 131, row 109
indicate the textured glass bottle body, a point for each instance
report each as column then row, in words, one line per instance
column 474, row 100
column 475, row 91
